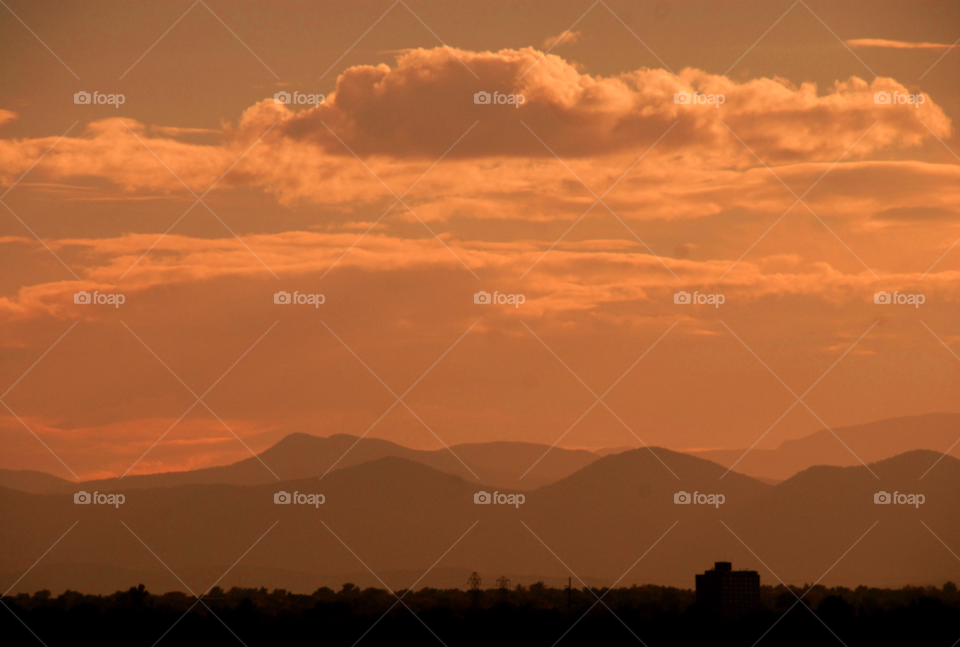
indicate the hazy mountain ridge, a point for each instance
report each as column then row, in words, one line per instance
column 301, row 455
column 872, row 442
column 599, row 521
column 504, row 464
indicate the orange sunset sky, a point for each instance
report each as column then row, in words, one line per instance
column 399, row 197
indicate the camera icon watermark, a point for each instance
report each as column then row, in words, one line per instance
column 85, row 498
column 285, row 298
column 485, row 498
column 685, row 498
column 685, row 298
column 84, row 298
column 298, row 98
column 285, row 498
column 484, row 98
column 485, row 298
column 885, row 498
column 885, row 298
column 83, row 98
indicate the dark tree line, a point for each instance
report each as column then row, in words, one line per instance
column 527, row 616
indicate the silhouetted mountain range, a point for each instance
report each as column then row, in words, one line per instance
column 400, row 516
column 502, row 464
column 299, row 456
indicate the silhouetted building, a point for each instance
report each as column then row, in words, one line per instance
column 726, row 594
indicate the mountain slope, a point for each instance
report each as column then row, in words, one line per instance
column 32, row 481
column 874, row 441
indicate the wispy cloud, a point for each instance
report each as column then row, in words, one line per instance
column 894, row 44
column 566, row 38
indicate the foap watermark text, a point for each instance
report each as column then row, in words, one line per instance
column 85, row 298
column 285, row 498
column 483, row 98
column 698, row 298
column 699, row 99
column 485, row 298
column 885, row 498
column 285, row 298
column 484, row 498
column 85, row 498
column 884, row 98
column 685, row 498
column 298, row 98
column 84, row 98
column 885, row 299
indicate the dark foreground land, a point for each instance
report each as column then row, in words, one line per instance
column 527, row 616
